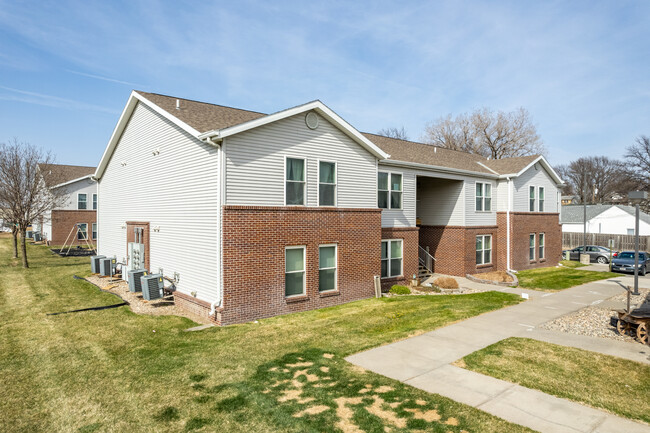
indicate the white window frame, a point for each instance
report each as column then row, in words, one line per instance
column 336, row 268
column 79, row 194
column 390, row 190
column 541, row 244
column 483, row 262
column 531, row 248
column 304, row 183
column 94, row 205
column 304, row 271
column 389, row 258
column 533, row 199
column 79, row 231
column 93, row 231
column 336, row 182
column 483, row 197
column 541, row 201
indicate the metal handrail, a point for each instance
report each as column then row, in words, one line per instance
column 425, row 258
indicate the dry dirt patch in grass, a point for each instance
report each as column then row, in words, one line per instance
column 496, row 276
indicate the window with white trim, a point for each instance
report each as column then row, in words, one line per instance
column 541, row 245
column 531, row 193
column 82, row 231
column 483, row 249
column 326, row 183
column 295, row 182
column 94, row 201
column 389, row 190
column 94, row 231
column 531, row 247
column 327, row 274
column 483, row 197
column 391, row 258
column 540, row 199
column 82, row 201
column 294, row 271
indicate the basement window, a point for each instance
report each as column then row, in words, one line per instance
column 295, row 182
column 294, row 271
column 391, row 258
column 540, row 199
column 483, row 197
column 483, row 249
column 541, row 245
column 82, row 201
column 82, row 232
column 327, row 276
column 326, row 183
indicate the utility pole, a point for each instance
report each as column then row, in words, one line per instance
column 636, row 197
column 584, row 207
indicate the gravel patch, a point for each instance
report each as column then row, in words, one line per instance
column 159, row 307
column 594, row 321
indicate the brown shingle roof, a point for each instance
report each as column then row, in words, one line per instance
column 54, row 174
column 202, row 116
column 510, row 165
column 410, row 151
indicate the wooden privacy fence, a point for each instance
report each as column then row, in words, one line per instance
column 621, row 242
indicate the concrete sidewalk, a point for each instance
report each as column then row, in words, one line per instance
column 424, row 362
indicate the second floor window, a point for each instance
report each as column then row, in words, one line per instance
column 295, row 182
column 540, row 199
column 531, row 199
column 326, row 183
column 94, row 201
column 483, row 197
column 82, row 201
column 389, row 190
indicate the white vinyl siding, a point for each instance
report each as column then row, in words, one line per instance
column 72, row 191
column 404, row 217
column 176, row 191
column 440, row 202
column 255, row 164
column 472, row 216
column 538, row 178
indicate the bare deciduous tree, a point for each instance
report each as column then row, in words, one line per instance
column 638, row 159
column 484, row 132
column 596, row 179
column 23, row 193
column 399, row 133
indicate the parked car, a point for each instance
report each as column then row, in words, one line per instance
column 596, row 253
column 624, row 262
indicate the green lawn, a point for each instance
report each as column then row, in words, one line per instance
column 558, row 278
column 617, row 385
column 115, row 371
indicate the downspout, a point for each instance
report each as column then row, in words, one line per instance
column 220, row 158
column 508, row 225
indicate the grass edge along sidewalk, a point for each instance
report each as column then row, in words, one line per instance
column 619, row 386
column 556, row 278
column 113, row 370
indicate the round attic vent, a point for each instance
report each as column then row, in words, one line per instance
column 311, row 119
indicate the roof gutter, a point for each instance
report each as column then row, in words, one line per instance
column 437, row 168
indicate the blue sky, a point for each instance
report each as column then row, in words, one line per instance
column 582, row 69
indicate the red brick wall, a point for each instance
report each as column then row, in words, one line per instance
column 63, row 221
column 525, row 223
column 409, row 235
column 254, row 241
column 454, row 248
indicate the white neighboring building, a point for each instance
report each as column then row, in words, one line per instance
column 607, row 219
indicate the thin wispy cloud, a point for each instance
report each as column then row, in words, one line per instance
column 110, row 80
column 35, row 98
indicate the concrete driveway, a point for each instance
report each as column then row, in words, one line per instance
column 425, row 362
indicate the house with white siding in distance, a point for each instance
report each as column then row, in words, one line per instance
column 75, row 219
column 259, row 215
column 607, row 219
